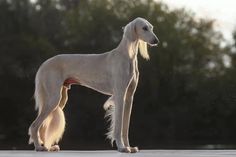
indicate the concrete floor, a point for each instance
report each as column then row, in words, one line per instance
column 142, row 153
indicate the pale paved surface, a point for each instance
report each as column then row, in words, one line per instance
column 142, row 153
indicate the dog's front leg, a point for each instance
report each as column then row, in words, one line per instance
column 127, row 113
column 119, row 112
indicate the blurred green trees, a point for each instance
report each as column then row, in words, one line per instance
column 186, row 92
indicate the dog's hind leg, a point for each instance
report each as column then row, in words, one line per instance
column 55, row 125
column 64, row 97
column 53, row 97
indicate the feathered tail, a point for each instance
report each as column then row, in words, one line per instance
column 109, row 106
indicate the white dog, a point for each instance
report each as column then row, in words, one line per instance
column 114, row 73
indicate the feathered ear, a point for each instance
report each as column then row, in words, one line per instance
column 130, row 31
column 143, row 50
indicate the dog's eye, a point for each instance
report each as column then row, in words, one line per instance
column 145, row 28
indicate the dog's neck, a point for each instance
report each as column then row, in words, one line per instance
column 129, row 47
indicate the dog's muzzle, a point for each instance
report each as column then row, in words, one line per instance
column 155, row 42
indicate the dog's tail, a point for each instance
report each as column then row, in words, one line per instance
column 38, row 93
column 109, row 106
column 53, row 128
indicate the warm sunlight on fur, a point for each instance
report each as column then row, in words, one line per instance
column 143, row 50
column 114, row 73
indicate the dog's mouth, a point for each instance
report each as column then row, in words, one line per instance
column 152, row 45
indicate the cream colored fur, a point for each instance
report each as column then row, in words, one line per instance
column 114, row 73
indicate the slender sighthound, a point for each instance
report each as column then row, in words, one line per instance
column 114, row 73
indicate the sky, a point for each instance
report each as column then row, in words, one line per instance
column 223, row 11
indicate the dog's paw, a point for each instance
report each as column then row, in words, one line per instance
column 54, row 148
column 134, row 149
column 41, row 148
column 124, row 150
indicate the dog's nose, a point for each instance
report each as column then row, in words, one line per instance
column 155, row 41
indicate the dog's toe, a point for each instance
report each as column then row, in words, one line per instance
column 41, row 148
column 55, row 148
column 134, row 149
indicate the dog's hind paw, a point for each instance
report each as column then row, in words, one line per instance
column 41, row 148
column 134, row 149
column 54, row 148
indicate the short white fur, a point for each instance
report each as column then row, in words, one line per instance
column 114, row 73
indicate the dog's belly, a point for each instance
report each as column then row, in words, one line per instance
column 100, row 87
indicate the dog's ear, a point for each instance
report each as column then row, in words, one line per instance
column 133, row 30
column 130, row 31
column 143, row 50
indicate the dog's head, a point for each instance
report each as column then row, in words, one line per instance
column 140, row 29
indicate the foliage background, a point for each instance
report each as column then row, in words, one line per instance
column 186, row 94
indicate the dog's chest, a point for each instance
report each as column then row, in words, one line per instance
column 133, row 67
